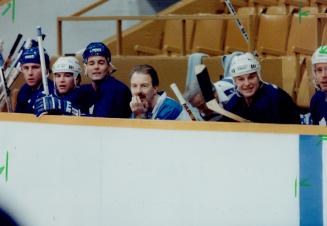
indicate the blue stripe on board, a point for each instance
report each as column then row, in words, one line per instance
column 311, row 203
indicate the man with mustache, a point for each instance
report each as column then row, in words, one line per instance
column 257, row 100
column 147, row 102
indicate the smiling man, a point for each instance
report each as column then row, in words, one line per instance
column 108, row 97
column 318, row 104
column 257, row 100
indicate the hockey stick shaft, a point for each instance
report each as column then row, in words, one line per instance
column 12, row 51
column 6, row 91
column 26, row 45
column 237, row 21
column 42, row 60
column 182, row 101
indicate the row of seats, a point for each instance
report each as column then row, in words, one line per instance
column 243, row 3
column 275, row 30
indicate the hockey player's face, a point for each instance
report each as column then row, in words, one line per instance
column 141, row 85
column 199, row 103
column 321, row 76
column 97, row 67
column 64, row 82
column 247, row 84
column 32, row 74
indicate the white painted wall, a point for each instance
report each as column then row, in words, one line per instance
column 89, row 175
column 76, row 36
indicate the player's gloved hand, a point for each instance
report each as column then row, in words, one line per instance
column 54, row 105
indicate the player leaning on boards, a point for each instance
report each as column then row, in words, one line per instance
column 223, row 91
column 257, row 100
column 108, row 97
column 147, row 102
column 31, row 70
column 318, row 104
column 68, row 98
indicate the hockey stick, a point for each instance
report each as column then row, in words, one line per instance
column 182, row 101
column 12, row 51
column 6, row 91
column 208, row 94
column 13, row 70
column 239, row 24
column 42, row 60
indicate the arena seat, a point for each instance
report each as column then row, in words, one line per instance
column 172, row 39
column 263, row 2
column 295, row 2
column 304, row 35
column 234, row 40
column 212, row 44
column 237, row 3
column 273, row 32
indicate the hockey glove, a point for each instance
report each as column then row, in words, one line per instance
column 54, row 105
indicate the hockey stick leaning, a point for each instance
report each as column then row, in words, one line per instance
column 182, row 101
column 12, row 51
column 42, row 60
column 208, row 94
column 239, row 24
column 6, row 91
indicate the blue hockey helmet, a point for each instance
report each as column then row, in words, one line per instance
column 96, row 49
column 32, row 55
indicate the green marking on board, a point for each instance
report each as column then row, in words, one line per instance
column 6, row 9
column 11, row 5
column 295, row 187
column 305, row 183
column 13, row 10
column 7, row 164
column 1, row 169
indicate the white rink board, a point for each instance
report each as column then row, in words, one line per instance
column 66, row 175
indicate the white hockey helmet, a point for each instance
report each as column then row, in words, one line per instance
column 244, row 64
column 320, row 55
column 67, row 64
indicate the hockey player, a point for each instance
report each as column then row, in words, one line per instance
column 68, row 98
column 318, row 104
column 224, row 91
column 108, row 96
column 31, row 70
column 257, row 100
column 147, row 102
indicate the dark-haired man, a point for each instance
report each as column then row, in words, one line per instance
column 147, row 102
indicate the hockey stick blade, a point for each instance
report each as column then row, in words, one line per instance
column 207, row 90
